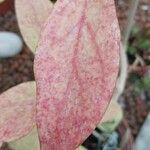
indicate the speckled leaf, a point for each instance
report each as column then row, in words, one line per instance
column 31, row 15
column 17, row 111
column 76, row 68
column 30, row 142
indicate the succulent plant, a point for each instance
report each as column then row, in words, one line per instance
column 76, row 67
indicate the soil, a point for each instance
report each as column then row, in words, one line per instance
column 20, row 68
column 135, row 106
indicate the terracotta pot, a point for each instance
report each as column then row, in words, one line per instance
column 5, row 6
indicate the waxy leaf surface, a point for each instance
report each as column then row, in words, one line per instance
column 31, row 16
column 17, row 111
column 76, row 68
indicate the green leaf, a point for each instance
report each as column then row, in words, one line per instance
column 135, row 31
column 146, row 82
column 109, row 127
column 112, row 117
column 144, row 44
column 29, row 142
column 132, row 50
column 142, row 85
column 81, row 148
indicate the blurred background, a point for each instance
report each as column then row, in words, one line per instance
column 134, row 127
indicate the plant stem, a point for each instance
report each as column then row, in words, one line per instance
column 123, row 57
column 130, row 22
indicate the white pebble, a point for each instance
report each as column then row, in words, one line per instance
column 143, row 139
column 145, row 7
column 10, row 44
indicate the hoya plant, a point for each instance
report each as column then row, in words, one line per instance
column 77, row 51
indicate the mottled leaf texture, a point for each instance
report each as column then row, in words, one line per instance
column 30, row 141
column 17, row 111
column 76, row 68
column 31, row 15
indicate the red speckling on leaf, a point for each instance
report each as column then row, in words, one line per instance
column 76, row 68
column 17, row 111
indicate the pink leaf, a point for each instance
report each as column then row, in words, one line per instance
column 76, row 68
column 17, row 111
column 31, row 15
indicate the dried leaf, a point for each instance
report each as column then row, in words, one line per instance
column 76, row 68
column 17, row 111
column 31, row 15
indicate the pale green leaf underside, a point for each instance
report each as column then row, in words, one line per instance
column 31, row 16
column 30, row 142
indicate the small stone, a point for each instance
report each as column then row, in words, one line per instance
column 142, row 141
column 145, row 7
column 10, row 44
column 112, row 142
